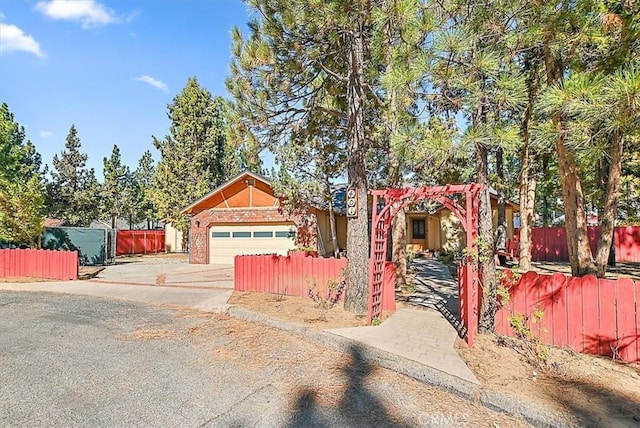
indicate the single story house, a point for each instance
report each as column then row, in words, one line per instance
column 243, row 216
column 440, row 229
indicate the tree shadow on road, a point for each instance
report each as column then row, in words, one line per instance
column 358, row 406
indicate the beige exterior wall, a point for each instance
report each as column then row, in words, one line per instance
column 172, row 239
column 452, row 234
column 433, row 237
column 324, row 228
column 444, row 230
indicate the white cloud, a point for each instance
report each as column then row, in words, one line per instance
column 46, row 134
column 14, row 39
column 89, row 13
column 153, row 82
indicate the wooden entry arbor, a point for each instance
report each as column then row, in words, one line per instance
column 386, row 205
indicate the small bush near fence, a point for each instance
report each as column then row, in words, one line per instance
column 587, row 314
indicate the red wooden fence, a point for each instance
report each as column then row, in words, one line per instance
column 139, row 242
column 51, row 264
column 296, row 275
column 588, row 315
column 628, row 243
column 549, row 244
column 286, row 275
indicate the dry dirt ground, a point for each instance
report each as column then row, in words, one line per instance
column 628, row 270
column 21, row 279
column 318, row 377
column 598, row 391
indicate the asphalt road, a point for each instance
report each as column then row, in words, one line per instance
column 83, row 361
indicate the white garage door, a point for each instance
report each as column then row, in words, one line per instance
column 226, row 242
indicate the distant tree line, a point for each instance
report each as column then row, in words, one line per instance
column 200, row 152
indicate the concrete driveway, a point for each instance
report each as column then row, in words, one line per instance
column 157, row 271
column 156, row 281
column 78, row 361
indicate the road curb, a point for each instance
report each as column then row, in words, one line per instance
column 493, row 400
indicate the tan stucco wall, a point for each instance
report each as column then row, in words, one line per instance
column 452, row 234
column 444, row 231
column 172, row 239
column 432, row 233
column 325, row 232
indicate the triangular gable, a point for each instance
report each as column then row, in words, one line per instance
column 246, row 190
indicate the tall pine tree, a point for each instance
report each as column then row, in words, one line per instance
column 143, row 179
column 73, row 193
column 306, row 67
column 194, row 156
column 117, row 189
column 21, row 186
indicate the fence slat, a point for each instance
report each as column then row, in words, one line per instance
column 607, row 316
column 575, row 334
column 558, row 320
column 626, row 328
column 590, row 314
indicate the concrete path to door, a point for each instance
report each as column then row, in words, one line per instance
column 202, row 287
column 425, row 333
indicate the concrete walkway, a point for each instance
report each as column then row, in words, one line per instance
column 423, row 336
column 427, row 333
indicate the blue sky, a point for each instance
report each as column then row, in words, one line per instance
column 110, row 67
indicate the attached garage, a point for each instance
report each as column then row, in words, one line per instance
column 243, row 216
column 228, row 241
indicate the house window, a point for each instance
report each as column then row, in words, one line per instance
column 241, row 234
column 263, row 234
column 220, row 234
column 282, row 234
column 418, row 229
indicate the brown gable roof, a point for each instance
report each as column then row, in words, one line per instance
column 217, row 195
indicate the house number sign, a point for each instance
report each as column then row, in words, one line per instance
column 352, row 202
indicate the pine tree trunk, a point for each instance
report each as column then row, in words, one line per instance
column 486, row 249
column 399, row 232
column 579, row 250
column 357, row 292
column 527, row 204
column 575, row 217
column 501, row 237
column 527, row 174
column 607, row 220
